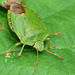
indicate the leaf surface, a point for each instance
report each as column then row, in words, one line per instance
column 58, row 16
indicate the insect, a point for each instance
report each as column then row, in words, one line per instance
column 28, row 27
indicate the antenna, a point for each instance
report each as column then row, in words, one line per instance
column 54, row 54
column 36, row 62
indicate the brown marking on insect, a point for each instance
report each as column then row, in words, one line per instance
column 8, row 2
column 15, row 5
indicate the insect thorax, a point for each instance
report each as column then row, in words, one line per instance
column 14, row 6
column 17, row 8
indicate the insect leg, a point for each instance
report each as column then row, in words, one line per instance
column 49, row 44
column 54, row 54
column 3, row 6
column 2, row 25
column 55, row 33
column 36, row 62
column 20, row 51
column 22, row 1
column 12, row 48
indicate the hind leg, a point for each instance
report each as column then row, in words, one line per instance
column 4, row 6
column 2, row 25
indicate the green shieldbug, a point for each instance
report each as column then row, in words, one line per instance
column 27, row 26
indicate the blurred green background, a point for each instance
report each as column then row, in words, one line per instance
column 57, row 15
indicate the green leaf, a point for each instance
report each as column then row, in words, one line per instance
column 57, row 16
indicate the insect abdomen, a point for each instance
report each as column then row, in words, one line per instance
column 38, row 34
column 28, row 29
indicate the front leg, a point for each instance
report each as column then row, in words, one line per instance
column 12, row 48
